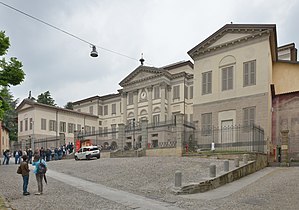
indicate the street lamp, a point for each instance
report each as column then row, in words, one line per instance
column 94, row 52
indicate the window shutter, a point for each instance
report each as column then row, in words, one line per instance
column 246, row 74
column 209, row 88
column 230, row 78
column 252, row 73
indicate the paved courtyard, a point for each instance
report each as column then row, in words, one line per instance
column 145, row 183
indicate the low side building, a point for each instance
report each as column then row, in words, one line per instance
column 40, row 122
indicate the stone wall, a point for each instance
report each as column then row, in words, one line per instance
column 259, row 163
column 164, row 152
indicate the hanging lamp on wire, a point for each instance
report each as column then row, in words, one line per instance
column 94, row 52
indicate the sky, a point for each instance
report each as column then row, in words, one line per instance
column 163, row 30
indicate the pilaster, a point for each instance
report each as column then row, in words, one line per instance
column 150, row 103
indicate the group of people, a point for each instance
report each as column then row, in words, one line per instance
column 24, row 170
column 17, row 154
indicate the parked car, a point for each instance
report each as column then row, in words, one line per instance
column 88, row 152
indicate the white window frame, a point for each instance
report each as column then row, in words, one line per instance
column 227, row 78
column 176, row 92
column 113, row 108
column 206, row 83
column 206, row 124
column 156, row 92
column 249, row 73
column 43, row 124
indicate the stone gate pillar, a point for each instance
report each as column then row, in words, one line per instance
column 144, row 134
column 285, row 147
column 179, row 133
column 121, row 136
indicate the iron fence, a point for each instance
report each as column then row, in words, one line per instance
column 232, row 138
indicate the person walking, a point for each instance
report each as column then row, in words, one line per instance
column 38, row 162
column 6, row 157
column 24, row 170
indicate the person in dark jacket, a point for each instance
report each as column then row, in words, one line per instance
column 25, row 174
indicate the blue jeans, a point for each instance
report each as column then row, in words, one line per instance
column 25, row 183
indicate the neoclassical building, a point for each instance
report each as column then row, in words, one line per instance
column 230, row 81
column 154, row 95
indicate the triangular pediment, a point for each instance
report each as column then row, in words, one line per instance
column 229, row 37
column 233, row 34
column 25, row 104
column 140, row 74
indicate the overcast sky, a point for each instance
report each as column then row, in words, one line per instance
column 163, row 30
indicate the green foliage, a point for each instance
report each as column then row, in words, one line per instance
column 4, row 43
column 45, row 98
column 10, row 115
column 69, row 105
column 11, row 73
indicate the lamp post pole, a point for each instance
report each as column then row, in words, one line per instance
column 134, row 133
column 32, row 138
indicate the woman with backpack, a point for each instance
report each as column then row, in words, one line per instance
column 24, row 170
column 39, row 171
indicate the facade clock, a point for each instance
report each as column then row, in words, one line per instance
column 143, row 95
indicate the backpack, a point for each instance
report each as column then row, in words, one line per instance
column 41, row 168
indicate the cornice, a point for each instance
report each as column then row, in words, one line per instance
column 202, row 51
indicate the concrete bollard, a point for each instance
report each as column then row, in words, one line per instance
column 237, row 162
column 226, row 165
column 212, row 170
column 178, row 179
column 245, row 158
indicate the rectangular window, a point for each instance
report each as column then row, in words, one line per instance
column 130, row 98
column 52, row 125
column 26, row 124
column 176, row 92
column 91, row 110
column 70, row 127
column 191, row 92
column 206, row 124
column 100, row 122
column 227, row 78
column 31, row 124
column 100, row 131
column 186, row 92
column 62, row 127
column 21, row 126
column 113, row 109
column 156, row 92
column 249, row 116
column 113, row 127
column 249, row 73
column 207, row 82
column 106, row 110
column 100, row 110
column 87, row 129
column 79, row 128
column 105, row 134
column 191, row 118
column 43, row 124
column 156, row 119
column 93, row 130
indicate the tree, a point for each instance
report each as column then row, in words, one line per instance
column 10, row 115
column 11, row 73
column 45, row 98
column 69, row 105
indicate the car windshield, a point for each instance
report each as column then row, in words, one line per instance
column 94, row 148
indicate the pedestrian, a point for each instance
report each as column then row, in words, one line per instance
column 30, row 155
column 24, row 170
column 6, row 157
column 37, row 160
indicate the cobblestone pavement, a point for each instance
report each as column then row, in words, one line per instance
column 151, row 178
